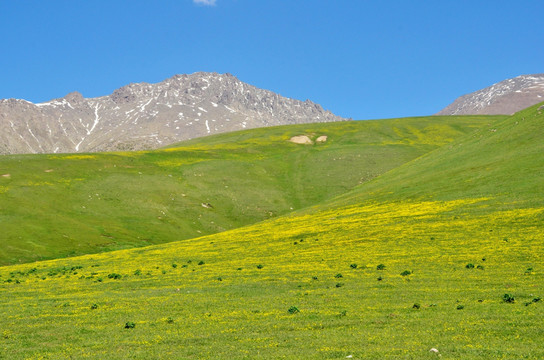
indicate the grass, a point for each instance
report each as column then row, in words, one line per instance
column 276, row 299
column 72, row 204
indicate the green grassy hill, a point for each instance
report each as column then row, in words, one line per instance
column 71, row 204
column 443, row 252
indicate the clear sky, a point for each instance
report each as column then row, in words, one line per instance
column 358, row 58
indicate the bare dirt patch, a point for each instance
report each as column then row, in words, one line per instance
column 301, row 139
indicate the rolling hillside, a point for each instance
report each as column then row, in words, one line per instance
column 71, row 204
column 441, row 256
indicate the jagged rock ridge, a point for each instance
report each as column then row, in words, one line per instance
column 505, row 97
column 147, row 116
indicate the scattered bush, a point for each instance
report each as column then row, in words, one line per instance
column 343, row 313
column 353, row 266
column 339, row 285
column 537, row 299
column 380, row 278
column 314, row 277
column 508, row 298
column 416, row 306
column 259, row 266
column 479, row 267
column 201, row 262
column 293, row 310
column 460, row 307
column 170, row 320
column 469, row 266
column 174, row 265
column 138, row 272
column 94, row 306
column 338, row 276
column 130, row 325
column 114, row 276
column 380, row 267
column 406, row 273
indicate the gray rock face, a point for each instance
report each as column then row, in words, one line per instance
column 505, row 97
column 147, row 116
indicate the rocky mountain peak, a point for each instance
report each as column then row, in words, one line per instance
column 505, row 97
column 147, row 116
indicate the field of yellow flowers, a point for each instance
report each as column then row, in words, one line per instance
column 373, row 280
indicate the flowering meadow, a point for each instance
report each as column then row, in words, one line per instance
column 441, row 257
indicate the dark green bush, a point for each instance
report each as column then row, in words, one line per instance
column 406, row 273
column 380, row 267
column 293, row 310
column 130, row 325
column 508, row 298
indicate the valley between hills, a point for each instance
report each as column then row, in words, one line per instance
column 390, row 239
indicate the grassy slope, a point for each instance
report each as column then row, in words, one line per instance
column 58, row 205
column 230, row 307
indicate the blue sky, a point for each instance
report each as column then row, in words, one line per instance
column 357, row 58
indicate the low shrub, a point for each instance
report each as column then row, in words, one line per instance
column 293, row 310
column 508, row 298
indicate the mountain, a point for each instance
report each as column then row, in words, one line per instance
column 505, row 97
column 147, row 116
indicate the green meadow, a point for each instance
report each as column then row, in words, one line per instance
column 72, row 204
column 415, row 238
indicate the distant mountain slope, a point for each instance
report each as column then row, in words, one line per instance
column 505, row 97
column 148, row 116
